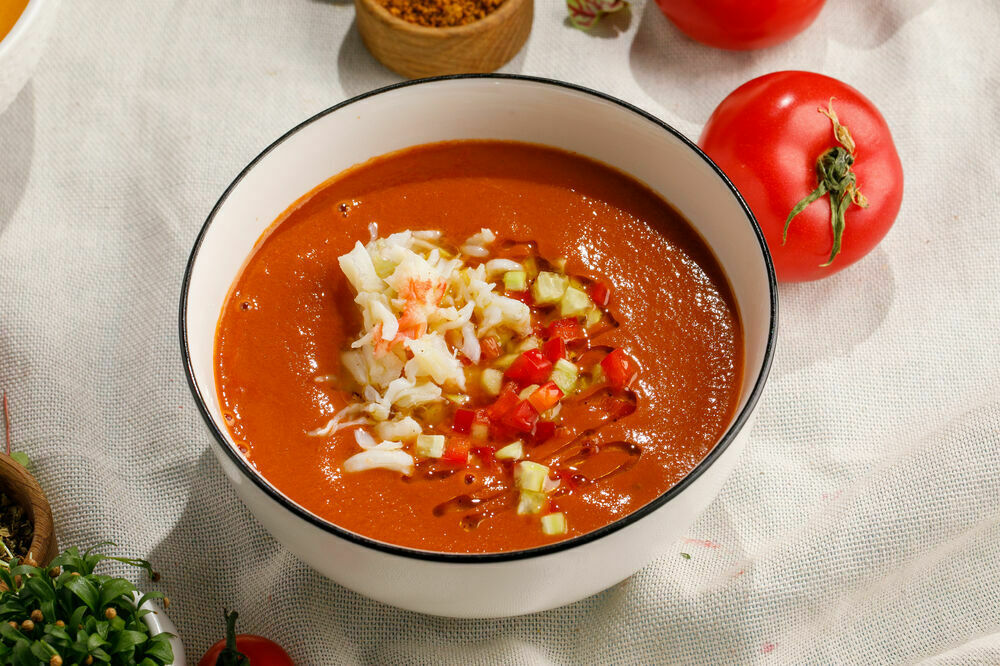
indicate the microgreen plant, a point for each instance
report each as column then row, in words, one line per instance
column 67, row 614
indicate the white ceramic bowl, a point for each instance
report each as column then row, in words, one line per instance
column 466, row 107
column 159, row 623
column 21, row 49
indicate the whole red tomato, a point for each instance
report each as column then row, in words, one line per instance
column 244, row 649
column 741, row 24
column 774, row 135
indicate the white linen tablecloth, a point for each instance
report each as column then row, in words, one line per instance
column 863, row 523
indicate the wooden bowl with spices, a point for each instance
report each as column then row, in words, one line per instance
column 419, row 38
column 24, row 508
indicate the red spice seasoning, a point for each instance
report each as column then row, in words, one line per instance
column 441, row 13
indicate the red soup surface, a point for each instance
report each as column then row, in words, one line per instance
column 652, row 340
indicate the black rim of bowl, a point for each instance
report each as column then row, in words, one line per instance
column 435, row 556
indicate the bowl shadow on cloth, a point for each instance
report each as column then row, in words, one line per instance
column 360, row 72
column 828, row 318
column 200, row 558
column 668, row 65
column 17, row 148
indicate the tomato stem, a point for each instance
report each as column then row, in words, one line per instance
column 833, row 169
column 230, row 656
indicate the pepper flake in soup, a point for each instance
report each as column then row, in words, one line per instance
column 478, row 346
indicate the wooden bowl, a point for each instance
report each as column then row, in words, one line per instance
column 416, row 51
column 22, row 487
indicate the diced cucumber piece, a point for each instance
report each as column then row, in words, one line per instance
column 492, row 380
column 530, row 267
column 513, row 451
column 554, row 523
column 530, row 503
column 505, row 362
column 457, row 398
column 564, row 374
column 515, row 280
column 549, row 287
column 593, row 317
column 429, row 446
column 530, row 475
column 526, row 391
column 528, row 343
column 574, row 302
column 479, row 432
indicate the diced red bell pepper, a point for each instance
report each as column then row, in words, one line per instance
column 531, row 367
column 463, row 420
column 481, row 425
column 600, row 293
column 569, row 477
column 544, row 430
column 554, row 349
column 456, row 450
column 568, row 329
column 523, row 418
column 506, row 403
column 489, row 348
column 619, row 368
column 523, row 296
column 485, row 454
column 545, row 397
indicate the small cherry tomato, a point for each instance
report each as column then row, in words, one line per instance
column 792, row 143
column 244, row 649
column 741, row 25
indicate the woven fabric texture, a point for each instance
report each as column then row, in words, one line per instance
column 862, row 526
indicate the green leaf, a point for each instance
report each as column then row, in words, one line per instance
column 26, row 570
column 117, row 623
column 7, row 578
column 85, row 591
column 22, row 655
column 95, row 641
column 21, row 458
column 69, row 559
column 101, row 627
column 148, row 597
column 48, row 608
column 41, row 588
column 101, row 655
column 159, row 648
column 10, row 634
column 43, row 650
column 128, row 639
column 147, row 662
column 12, row 607
column 58, row 633
column 76, row 619
column 114, row 588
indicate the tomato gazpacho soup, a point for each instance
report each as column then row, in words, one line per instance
column 478, row 346
column 10, row 11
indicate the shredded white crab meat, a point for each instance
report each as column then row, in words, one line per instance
column 422, row 307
